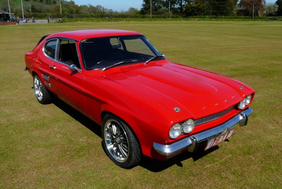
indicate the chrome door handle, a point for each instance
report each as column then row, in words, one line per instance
column 52, row 67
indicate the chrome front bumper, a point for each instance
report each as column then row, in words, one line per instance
column 192, row 141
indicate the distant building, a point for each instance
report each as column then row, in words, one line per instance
column 4, row 16
column 244, row 11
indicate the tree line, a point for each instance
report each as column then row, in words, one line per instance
column 159, row 8
column 187, row 8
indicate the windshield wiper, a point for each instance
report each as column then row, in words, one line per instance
column 118, row 63
column 154, row 57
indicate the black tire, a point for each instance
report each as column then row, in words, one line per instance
column 120, row 143
column 41, row 93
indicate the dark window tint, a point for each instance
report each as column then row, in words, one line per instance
column 68, row 53
column 99, row 53
column 50, row 48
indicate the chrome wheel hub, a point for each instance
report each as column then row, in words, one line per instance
column 38, row 88
column 116, row 140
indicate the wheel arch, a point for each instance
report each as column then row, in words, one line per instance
column 147, row 129
column 106, row 112
column 43, row 96
column 34, row 72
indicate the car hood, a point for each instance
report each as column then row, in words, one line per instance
column 195, row 92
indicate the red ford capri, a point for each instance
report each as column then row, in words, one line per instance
column 145, row 104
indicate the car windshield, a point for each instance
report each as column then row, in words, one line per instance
column 107, row 52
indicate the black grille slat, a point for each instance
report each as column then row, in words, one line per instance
column 212, row 117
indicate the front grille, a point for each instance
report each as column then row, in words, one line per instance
column 212, row 117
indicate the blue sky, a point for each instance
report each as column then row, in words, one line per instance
column 121, row 5
column 116, row 5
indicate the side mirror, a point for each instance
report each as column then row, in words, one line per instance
column 73, row 68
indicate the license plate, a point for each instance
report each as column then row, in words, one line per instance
column 215, row 141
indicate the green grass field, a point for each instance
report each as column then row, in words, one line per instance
column 53, row 146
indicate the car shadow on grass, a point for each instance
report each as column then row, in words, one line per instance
column 147, row 163
column 87, row 122
column 158, row 166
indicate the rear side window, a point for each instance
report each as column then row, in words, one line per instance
column 50, row 48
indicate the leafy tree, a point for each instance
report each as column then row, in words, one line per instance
column 71, row 7
column 230, row 6
column 162, row 6
column 180, row 4
column 271, row 8
column 279, row 11
column 173, row 6
column 210, row 7
column 156, row 5
column 207, row 7
column 84, row 10
column 101, row 10
column 4, row 5
column 194, row 8
column 222, row 7
column 132, row 11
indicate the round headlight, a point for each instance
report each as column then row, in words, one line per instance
column 241, row 105
column 175, row 131
column 248, row 100
column 188, row 126
column 245, row 102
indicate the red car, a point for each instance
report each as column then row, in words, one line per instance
column 145, row 104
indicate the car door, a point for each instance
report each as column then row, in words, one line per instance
column 66, row 84
column 46, row 60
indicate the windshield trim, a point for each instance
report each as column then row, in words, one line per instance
column 142, row 37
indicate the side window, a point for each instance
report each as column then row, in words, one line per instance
column 50, row 48
column 68, row 52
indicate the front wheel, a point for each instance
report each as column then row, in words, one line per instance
column 41, row 93
column 120, row 143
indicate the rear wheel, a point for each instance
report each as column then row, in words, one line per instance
column 120, row 143
column 41, row 93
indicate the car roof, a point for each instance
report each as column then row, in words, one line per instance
column 86, row 34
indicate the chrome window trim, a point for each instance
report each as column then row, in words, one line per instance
column 44, row 48
column 56, row 59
